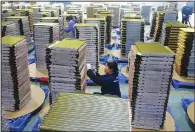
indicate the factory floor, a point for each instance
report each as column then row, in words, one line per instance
column 177, row 111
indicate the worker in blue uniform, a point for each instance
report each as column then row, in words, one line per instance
column 186, row 12
column 70, row 27
column 109, row 82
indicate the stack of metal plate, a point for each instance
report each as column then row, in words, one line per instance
column 161, row 8
column 123, row 11
column 132, row 31
column 8, row 29
column 90, row 12
column 158, row 26
column 169, row 34
column 153, row 24
column 150, row 75
column 108, row 16
column 185, row 57
column 4, row 125
column 44, row 34
column 101, row 22
column 66, row 65
column 7, row 13
column 81, row 112
column 15, row 74
column 90, row 33
column 146, row 10
column 132, row 15
column 163, row 17
column 22, row 26
column 164, row 38
column 116, row 13
column 170, row 16
column 29, row 13
column 96, row 9
column 58, row 20
column 37, row 14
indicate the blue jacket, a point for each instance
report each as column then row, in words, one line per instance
column 187, row 10
column 70, row 28
column 109, row 83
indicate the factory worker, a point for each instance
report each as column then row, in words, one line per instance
column 70, row 27
column 109, row 82
column 186, row 12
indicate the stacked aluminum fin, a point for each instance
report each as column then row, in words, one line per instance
column 4, row 125
column 123, row 11
column 15, row 74
column 150, row 75
column 90, row 12
column 66, row 66
column 132, row 15
column 161, row 18
column 108, row 16
column 169, row 34
column 80, row 112
column 90, row 33
column 29, row 13
column 101, row 22
column 146, row 10
column 44, row 34
column 153, row 25
column 58, row 20
column 185, row 55
column 116, row 13
column 132, row 31
column 22, row 26
column 7, row 13
column 161, row 8
column 170, row 16
column 37, row 15
column 8, row 29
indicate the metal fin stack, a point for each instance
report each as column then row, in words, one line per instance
column 90, row 12
column 169, row 34
column 58, row 20
column 154, row 16
column 81, row 112
column 22, row 26
column 15, row 74
column 150, row 75
column 66, row 66
column 37, row 14
column 90, row 33
column 108, row 16
column 8, row 28
column 146, row 10
column 185, row 55
column 101, row 22
column 116, row 13
column 163, row 17
column 44, row 34
column 132, row 31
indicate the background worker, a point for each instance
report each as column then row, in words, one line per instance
column 109, row 82
column 186, row 12
column 70, row 27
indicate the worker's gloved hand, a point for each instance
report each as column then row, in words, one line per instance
column 88, row 66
